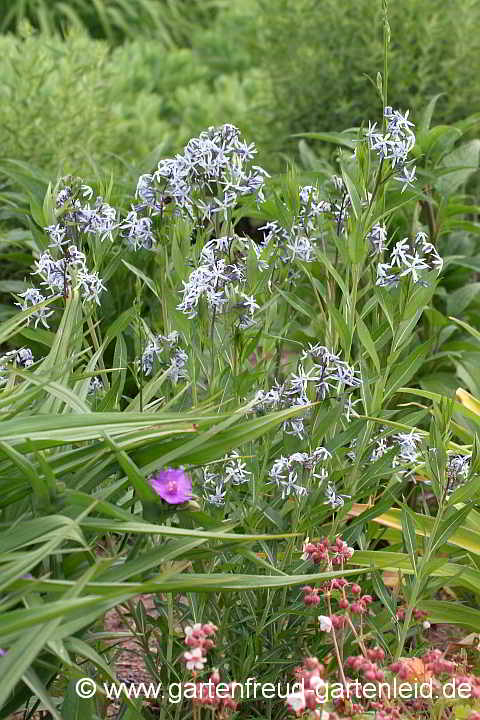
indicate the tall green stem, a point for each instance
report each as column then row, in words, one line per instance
column 417, row 585
column 386, row 43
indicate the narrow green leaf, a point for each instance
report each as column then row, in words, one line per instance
column 383, row 593
column 148, row 282
column 31, row 679
column 451, row 613
column 39, row 486
column 367, row 341
column 352, row 193
column 409, row 536
column 473, row 331
column 340, row 325
column 449, row 526
column 460, row 299
column 329, row 137
column 426, row 116
column 135, row 476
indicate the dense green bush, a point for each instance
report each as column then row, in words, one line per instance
column 64, row 107
column 287, row 66
column 319, row 55
column 113, row 20
column 216, row 80
column 192, row 95
column 85, row 108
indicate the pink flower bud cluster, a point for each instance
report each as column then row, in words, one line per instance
column 206, row 694
column 310, row 595
column 356, row 605
column 338, row 621
column 198, row 637
column 368, row 668
column 360, row 606
column 473, row 682
column 417, row 614
column 386, row 713
column 434, row 661
column 434, row 666
column 336, row 553
column 310, row 677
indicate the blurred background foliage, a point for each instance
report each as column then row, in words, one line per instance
column 94, row 86
column 323, row 58
column 113, row 20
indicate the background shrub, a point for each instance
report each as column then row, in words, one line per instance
column 318, row 56
column 80, row 106
column 61, row 108
column 273, row 68
column 113, row 20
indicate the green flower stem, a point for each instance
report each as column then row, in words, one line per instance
column 96, row 345
column 417, row 585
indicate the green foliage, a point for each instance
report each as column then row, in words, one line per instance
column 86, row 109
column 113, row 20
column 64, row 107
column 195, row 90
column 323, row 59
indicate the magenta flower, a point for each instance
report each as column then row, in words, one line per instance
column 174, row 486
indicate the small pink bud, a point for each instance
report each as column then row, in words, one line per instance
column 215, row 677
column 357, row 608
